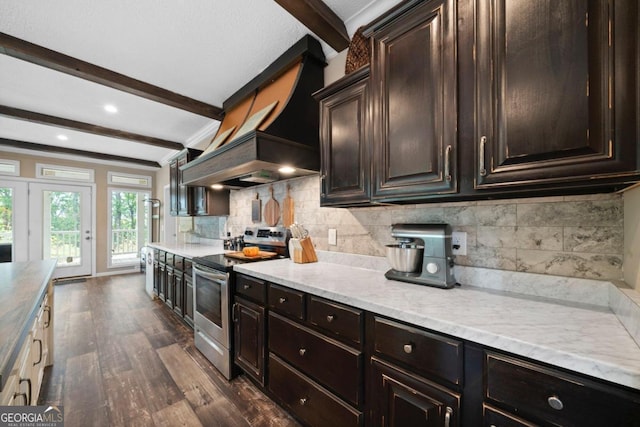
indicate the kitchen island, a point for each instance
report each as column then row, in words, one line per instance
column 26, row 329
column 511, row 338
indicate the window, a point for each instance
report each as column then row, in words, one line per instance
column 65, row 173
column 129, row 180
column 9, row 167
column 128, row 226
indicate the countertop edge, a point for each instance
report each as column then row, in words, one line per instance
column 15, row 351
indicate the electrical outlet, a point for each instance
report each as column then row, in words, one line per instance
column 333, row 236
column 459, row 243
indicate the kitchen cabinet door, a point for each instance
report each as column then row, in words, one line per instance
column 345, row 141
column 249, row 332
column 179, row 292
column 188, row 299
column 549, row 77
column 403, row 399
column 185, row 195
column 414, row 89
column 173, row 187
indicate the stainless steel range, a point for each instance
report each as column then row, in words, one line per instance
column 213, row 283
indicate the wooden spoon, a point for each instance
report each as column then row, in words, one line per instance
column 272, row 210
column 287, row 209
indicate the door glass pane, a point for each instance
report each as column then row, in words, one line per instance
column 127, row 227
column 6, row 224
column 61, row 227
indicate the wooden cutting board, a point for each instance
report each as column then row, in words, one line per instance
column 242, row 256
column 272, row 211
column 287, row 209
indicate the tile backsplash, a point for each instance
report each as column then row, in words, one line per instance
column 575, row 236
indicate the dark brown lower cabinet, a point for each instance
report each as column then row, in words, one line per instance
column 401, row 398
column 329, row 364
column 249, row 332
column 170, row 289
column 178, row 292
column 188, row 299
column 308, row 400
column 550, row 397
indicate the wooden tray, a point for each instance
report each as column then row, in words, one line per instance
column 261, row 255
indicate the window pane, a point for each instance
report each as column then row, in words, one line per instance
column 61, row 227
column 124, row 227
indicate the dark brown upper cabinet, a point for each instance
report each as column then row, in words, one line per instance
column 193, row 201
column 344, row 131
column 555, row 101
column 414, row 101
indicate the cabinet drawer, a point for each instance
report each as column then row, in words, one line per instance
column 188, row 267
column 169, row 259
column 336, row 319
column 286, row 301
column 562, row 399
column 161, row 256
column 178, row 263
column 493, row 417
column 309, row 401
column 251, row 288
column 333, row 364
column 431, row 355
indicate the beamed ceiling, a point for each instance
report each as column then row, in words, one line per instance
column 167, row 67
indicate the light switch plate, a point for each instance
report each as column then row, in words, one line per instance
column 333, row 237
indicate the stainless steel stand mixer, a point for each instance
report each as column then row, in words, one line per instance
column 422, row 255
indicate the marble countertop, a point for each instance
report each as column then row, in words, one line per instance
column 191, row 250
column 582, row 335
column 22, row 286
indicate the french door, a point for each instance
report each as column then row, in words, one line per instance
column 60, row 227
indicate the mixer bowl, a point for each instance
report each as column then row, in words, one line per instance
column 404, row 258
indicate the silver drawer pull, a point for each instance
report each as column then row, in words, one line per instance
column 408, row 348
column 483, row 142
column 303, row 401
column 447, row 417
column 302, row 351
column 555, row 403
column 330, row 318
column 282, row 300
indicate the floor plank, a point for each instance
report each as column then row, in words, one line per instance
column 122, row 359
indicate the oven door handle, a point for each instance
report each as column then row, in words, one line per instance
column 218, row 277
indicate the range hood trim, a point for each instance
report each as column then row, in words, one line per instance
column 260, row 151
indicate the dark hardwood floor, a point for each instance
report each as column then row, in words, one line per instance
column 121, row 359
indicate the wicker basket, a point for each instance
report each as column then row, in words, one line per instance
column 359, row 52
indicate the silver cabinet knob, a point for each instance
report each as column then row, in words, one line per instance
column 245, row 287
column 330, row 318
column 408, row 348
column 302, row 351
column 303, row 401
column 282, row 300
column 555, row 403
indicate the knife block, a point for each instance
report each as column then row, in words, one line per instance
column 302, row 251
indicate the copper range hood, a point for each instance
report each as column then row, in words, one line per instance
column 286, row 137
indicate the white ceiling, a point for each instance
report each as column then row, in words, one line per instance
column 202, row 49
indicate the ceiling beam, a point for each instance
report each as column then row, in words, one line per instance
column 320, row 19
column 39, row 55
column 63, row 150
column 45, row 119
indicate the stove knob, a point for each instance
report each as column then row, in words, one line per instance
column 432, row 268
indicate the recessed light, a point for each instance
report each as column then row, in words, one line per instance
column 286, row 169
column 217, row 186
column 62, row 137
column 110, row 108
